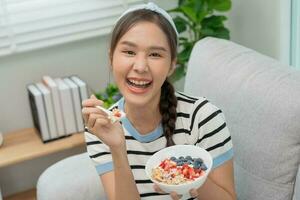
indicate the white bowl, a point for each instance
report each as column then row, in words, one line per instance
column 177, row 151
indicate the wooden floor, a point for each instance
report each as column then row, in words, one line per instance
column 27, row 195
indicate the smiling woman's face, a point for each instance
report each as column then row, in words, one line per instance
column 141, row 62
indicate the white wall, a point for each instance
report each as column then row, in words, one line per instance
column 262, row 25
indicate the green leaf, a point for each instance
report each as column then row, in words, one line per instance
column 175, row 10
column 202, row 9
column 189, row 12
column 195, row 10
column 184, row 55
column 107, row 96
column 213, row 21
column 207, row 32
column 180, row 24
column 98, row 95
column 221, row 32
column 106, row 105
column 221, row 5
column 180, row 2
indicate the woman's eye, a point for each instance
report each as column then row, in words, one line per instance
column 131, row 53
column 155, row 55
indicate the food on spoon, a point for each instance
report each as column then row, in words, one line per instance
column 116, row 115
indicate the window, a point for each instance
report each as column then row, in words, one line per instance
column 295, row 34
column 31, row 24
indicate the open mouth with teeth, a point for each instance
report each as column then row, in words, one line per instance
column 138, row 83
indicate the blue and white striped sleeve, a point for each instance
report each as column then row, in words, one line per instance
column 213, row 134
column 99, row 153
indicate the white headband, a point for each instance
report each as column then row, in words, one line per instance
column 153, row 7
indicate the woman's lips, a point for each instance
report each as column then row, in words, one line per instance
column 138, row 86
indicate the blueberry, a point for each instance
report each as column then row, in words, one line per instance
column 173, row 158
column 181, row 158
column 188, row 158
column 196, row 165
column 198, row 160
column 203, row 167
column 179, row 163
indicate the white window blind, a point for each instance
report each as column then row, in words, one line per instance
column 32, row 24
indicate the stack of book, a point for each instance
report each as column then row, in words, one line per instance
column 56, row 106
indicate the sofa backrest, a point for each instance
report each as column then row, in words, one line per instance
column 261, row 101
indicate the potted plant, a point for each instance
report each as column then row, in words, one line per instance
column 195, row 20
column 109, row 96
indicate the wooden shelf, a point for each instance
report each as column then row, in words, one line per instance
column 26, row 144
column 26, row 195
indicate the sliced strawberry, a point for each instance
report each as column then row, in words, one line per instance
column 185, row 172
column 117, row 114
column 191, row 171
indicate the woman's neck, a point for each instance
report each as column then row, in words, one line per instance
column 145, row 118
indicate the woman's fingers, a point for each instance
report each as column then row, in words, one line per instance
column 92, row 119
column 92, row 102
column 96, row 120
column 158, row 190
column 85, row 115
column 100, row 122
column 194, row 193
column 87, row 111
column 175, row 196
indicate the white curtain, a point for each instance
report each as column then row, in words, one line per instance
column 32, row 24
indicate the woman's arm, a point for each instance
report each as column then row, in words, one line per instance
column 119, row 184
column 219, row 184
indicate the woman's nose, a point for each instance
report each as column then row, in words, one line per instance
column 140, row 64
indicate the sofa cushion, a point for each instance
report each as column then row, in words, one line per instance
column 260, row 100
column 73, row 178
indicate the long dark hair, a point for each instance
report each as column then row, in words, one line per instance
column 168, row 100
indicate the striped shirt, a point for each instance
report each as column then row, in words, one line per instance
column 198, row 123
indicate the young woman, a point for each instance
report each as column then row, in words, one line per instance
column 143, row 55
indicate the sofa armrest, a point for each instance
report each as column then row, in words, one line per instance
column 73, row 178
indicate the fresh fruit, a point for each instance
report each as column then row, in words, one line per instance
column 179, row 170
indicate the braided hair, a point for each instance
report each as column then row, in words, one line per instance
column 167, row 107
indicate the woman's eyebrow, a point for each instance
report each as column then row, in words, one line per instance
column 128, row 43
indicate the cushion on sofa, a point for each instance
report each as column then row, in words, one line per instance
column 260, row 100
column 73, row 178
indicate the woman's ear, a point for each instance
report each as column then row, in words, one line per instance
column 172, row 68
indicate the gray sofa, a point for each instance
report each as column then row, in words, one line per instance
column 261, row 101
